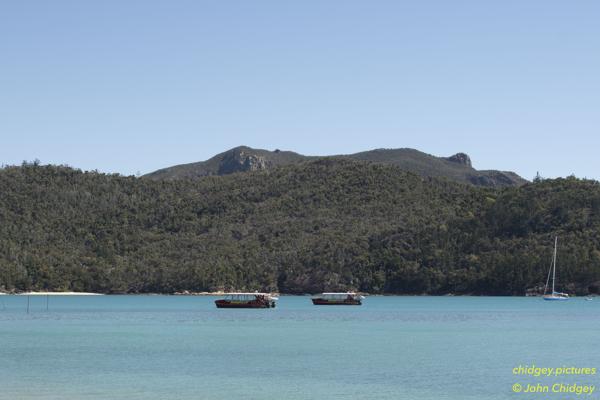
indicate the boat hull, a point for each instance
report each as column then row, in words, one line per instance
column 555, row 298
column 346, row 302
column 248, row 304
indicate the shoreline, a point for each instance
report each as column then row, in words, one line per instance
column 221, row 293
column 56, row 294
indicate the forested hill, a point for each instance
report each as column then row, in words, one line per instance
column 309, row 227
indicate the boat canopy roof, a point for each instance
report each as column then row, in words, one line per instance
column 246, row 294
column 346, row 293
column 338, row 296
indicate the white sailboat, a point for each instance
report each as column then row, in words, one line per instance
column 554, row 295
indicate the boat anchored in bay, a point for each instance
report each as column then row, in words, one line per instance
column 247, row 300
column 341, row 299
column 554, row 296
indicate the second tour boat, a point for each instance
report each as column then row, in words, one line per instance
column 343, row 299
column 247, row 300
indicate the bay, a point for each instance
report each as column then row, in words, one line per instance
column 182, row 347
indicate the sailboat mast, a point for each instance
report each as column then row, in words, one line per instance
column 554, row 263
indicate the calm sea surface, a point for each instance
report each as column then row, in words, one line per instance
column 175, row 347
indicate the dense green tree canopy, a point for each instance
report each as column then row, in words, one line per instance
column 315, row 226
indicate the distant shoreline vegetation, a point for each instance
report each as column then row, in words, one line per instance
column 315, row 226
column 221, row 294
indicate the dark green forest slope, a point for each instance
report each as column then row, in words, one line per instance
column 322, row 225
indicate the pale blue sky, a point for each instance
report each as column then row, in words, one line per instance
column 126, row 86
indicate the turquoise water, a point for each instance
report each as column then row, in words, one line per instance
column 176, row 347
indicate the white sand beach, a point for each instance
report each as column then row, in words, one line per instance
column 59, row 294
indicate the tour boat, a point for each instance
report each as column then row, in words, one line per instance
column 247, row 300
column 554, row 296
column 343, row 299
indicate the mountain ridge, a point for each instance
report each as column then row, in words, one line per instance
column 457, row 167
